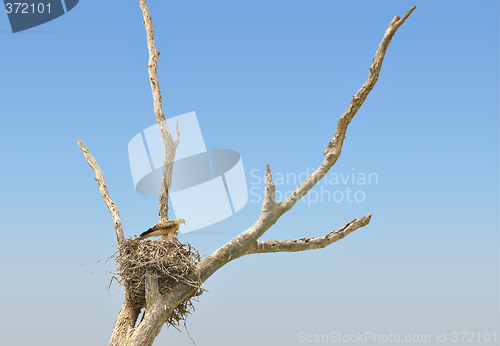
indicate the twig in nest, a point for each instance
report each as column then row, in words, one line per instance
column 168, row 260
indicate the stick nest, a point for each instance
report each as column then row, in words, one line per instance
column 168, row 260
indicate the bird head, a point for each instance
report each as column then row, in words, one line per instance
column 181, row 220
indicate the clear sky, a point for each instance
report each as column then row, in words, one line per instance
column 269, row 80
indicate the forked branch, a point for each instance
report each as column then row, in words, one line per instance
column 160, row 306
column 247, row 242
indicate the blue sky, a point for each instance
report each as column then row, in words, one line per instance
column 269, row 80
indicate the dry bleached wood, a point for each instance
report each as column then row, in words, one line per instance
column 272, row 211
column 333, row 149
column 169, row 143
column 99, row 177
column 308, row 243
column 159, row 307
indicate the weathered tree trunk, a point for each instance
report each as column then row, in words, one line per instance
column 127, row 330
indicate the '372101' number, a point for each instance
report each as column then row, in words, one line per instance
column 20, row 7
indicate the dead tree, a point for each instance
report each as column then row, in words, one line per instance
column 161, row 304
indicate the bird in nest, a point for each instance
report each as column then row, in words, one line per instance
column 166, row 229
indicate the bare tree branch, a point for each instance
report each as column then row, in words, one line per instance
column 334, row 148
column 160, row 306
column 271, row 211
column 308, row 243
column 169, row 143
column 239, row 245
column 101, row 183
